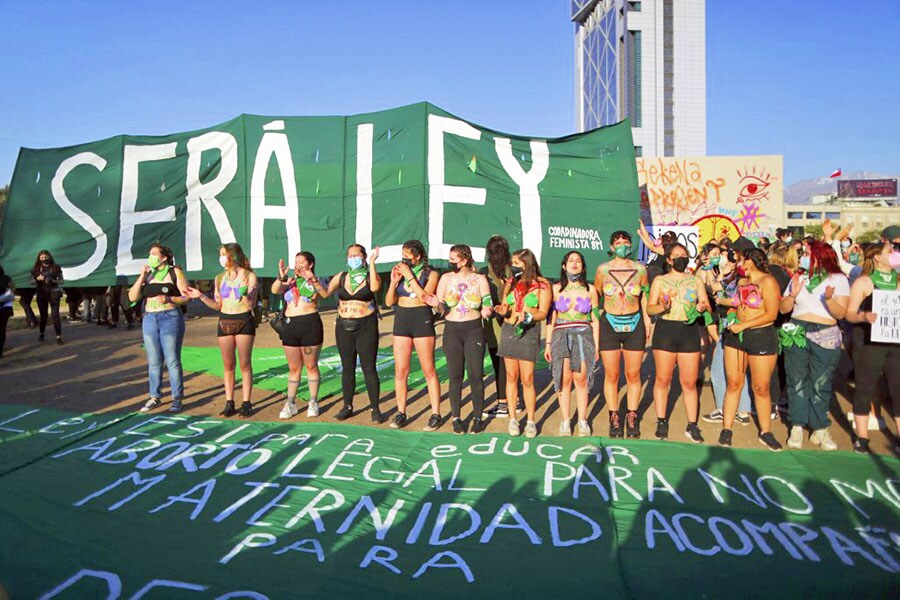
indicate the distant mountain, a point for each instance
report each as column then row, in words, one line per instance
column 800, row 192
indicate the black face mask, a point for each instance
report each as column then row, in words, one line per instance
column 680, row 264
column 516, row 271
column 453, row 267
column 407, row 261
column 46, row 263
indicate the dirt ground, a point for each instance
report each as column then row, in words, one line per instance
column 104, row 370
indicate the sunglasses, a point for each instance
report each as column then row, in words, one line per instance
column 896, row 246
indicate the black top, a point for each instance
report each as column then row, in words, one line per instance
column 152, row 288
column 363, row 294
column 52, row 276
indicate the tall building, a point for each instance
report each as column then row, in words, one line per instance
column 646, row 61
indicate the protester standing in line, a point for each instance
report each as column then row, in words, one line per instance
column 235, row 300
column 162, row 286
column 356, row 328
column 525, row 302
column 412, row 281
column 47, row 277
column 872, row 360
column 302, row 333
column 497, row 273
column 818, row 297
column 573, row 340
column 622, row 285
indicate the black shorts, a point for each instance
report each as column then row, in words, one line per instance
column 413, row 321
column 303, row 330
column 762, row 341
column 248, row 328
column 676, row 336
column 610, row 339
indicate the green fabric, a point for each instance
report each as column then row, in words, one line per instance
column 578, row 517
column 292, row 183
column 357, row 277
column 160, row 274
column 814, row 280
column 791, row 334
column 884, row 281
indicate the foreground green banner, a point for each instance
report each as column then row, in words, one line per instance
column 278, row 185
column 122, row 506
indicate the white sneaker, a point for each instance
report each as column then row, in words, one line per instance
column 513, row 428
column 584, row 430
column 795, row 441
column 290, row 409
column 151, row 404
column 565, row 428
column 821, row 437
column 530, row 429
column 312, row 409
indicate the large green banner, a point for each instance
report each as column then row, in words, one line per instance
column 129, row 505
column 278, row 185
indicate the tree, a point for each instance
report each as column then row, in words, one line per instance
column 813, row 230
column 868, row 237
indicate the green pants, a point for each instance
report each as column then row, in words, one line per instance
column 810, row 383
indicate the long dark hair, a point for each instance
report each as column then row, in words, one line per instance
column 759, row 259
column 498, row 256
column 564, row 275
column 38, row 267
column 532, row 270
column 236, row 255
column 310, row 258
column 667, row 268
column 418, row 249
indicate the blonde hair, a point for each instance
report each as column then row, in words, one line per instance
column 784, row 255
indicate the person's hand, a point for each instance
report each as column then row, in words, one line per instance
column 665, row 301
column 796, row 284
column 193, row 292
column 702, row 306
column 307, row 274
column 144, row 270
column 828, row 229
column 396, row 276
column 40, row 278
column 429, row 299
column 514, row 317
column 486, row 312
column 375, row 252
column 282, row 269
column 502, row 309
column 163, row 299
column 547, row 355
column 404, row 270
column 829, row 292
column 844, row 233
column 737, row 327
column 871, row 317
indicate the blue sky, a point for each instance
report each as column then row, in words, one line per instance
column 819, row 87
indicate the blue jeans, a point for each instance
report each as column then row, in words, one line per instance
column 717, row 374
column 163, row 335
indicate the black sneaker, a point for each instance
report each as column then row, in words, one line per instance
column 376, row 415
column 477, row 425
column 662, row 429
column 693, row 433
column 458, row 427
column 59, row 340
column 632, row 429
column 246, row 410
column 433, row 422
column 345, row 413
column 725, row 438
column 229, row 410
column 742, row 418
column 399, row 421
column 861, row 446
column 615, row 424
column 768, row 440
column 500, row 410
column 40, row 337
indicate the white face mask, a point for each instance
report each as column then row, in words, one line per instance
column 223, row 260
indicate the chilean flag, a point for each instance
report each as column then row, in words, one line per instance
column 836, row 173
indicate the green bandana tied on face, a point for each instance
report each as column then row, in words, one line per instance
column 791, row 334
column 623, row 250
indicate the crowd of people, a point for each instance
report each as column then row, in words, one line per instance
column 771, row 320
